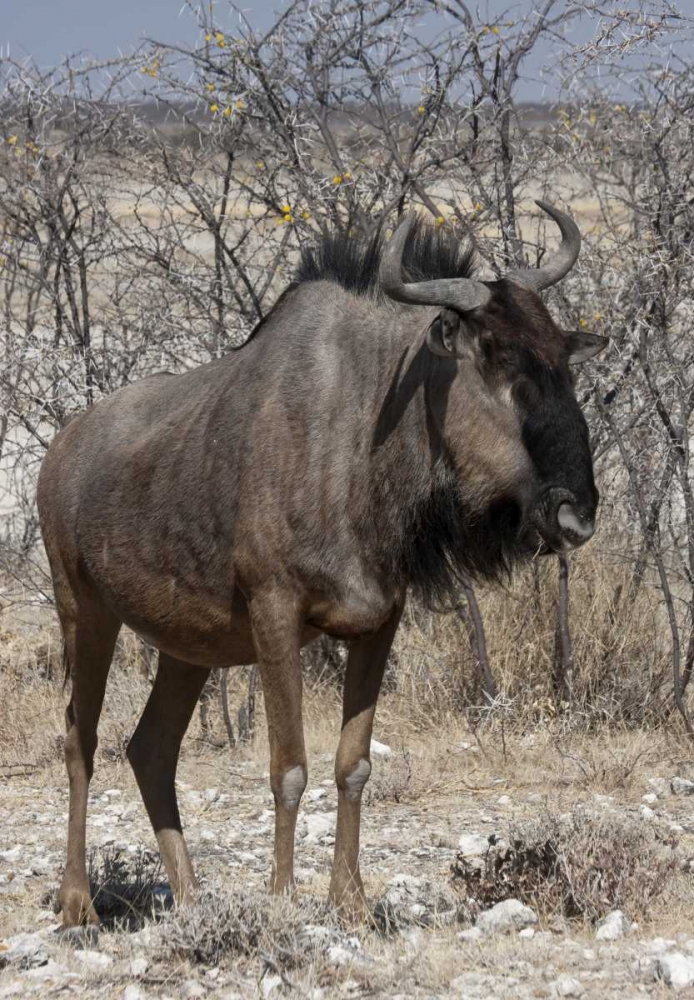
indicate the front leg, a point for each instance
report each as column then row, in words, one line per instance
column 365, row 667
column 277, row 638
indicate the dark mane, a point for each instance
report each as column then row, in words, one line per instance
column 430, row 252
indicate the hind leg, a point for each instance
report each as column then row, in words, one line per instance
column 153, row 753
column 90, row 634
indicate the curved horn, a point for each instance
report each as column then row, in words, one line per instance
column 462, row 294
column 542, row 277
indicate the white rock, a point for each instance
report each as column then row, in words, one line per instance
column 316, row 794
column 211, row 794
column 13, row 854
column 473, row 845
column 113, row 793
column 509, row 915
column 471, row 934
column 270, row 985
column 646, row 813
column 192, row 989
column 614, row 926
column 675, row 969
column 133, row 992
column 567, row 986
column 93, row 959
column 23, row 949
column 660, row 786
column 51, row 970
column 504, row 800
column 319, row 825
column 380, row 749
column 650, row 798
column 349, row 953
column 316, row 936
column 682, row 786
column 138, row 966
column 527, row 933
column 658, row 945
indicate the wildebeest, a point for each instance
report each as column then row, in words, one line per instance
column 393, row 423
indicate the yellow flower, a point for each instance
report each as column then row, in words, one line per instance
column 208, row 37
column 337, row 179
column 12, row 140
column 286, row 209
column 226, row 112
column 582, row 322
column 495, row 30
column 210, row 86
column 440, row 220
column 597, row 317
column 260, row 165
column 421, row 109
column 305, row 214
column 240, row 104
column 214, row 108
column 477, row 206
column 288, row 217
column 592, row 118
column 219, row 38
column 348, row 176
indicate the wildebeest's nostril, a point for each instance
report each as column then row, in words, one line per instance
column 577, row 528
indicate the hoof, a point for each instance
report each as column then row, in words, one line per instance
column 77, row 909
column 353, row 909
column 86, row 936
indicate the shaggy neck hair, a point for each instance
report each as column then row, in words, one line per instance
column 443, row 543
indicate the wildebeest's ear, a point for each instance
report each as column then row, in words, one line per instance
column 582, row 346
column 444, row 333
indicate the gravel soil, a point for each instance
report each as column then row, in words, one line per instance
column 420, row 803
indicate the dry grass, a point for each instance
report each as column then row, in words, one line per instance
column 250, row 924
column 622, row 671
column 579, row 865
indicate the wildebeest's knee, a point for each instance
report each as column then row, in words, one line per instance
column 288, row 786
column 351, row 778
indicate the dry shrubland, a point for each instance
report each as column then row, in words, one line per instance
column 581, row 865
column 152, row 209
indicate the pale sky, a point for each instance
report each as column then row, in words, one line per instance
column 47, row 30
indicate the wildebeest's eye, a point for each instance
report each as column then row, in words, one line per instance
column 526, row 393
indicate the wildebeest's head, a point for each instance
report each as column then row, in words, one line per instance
column 503, row 329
